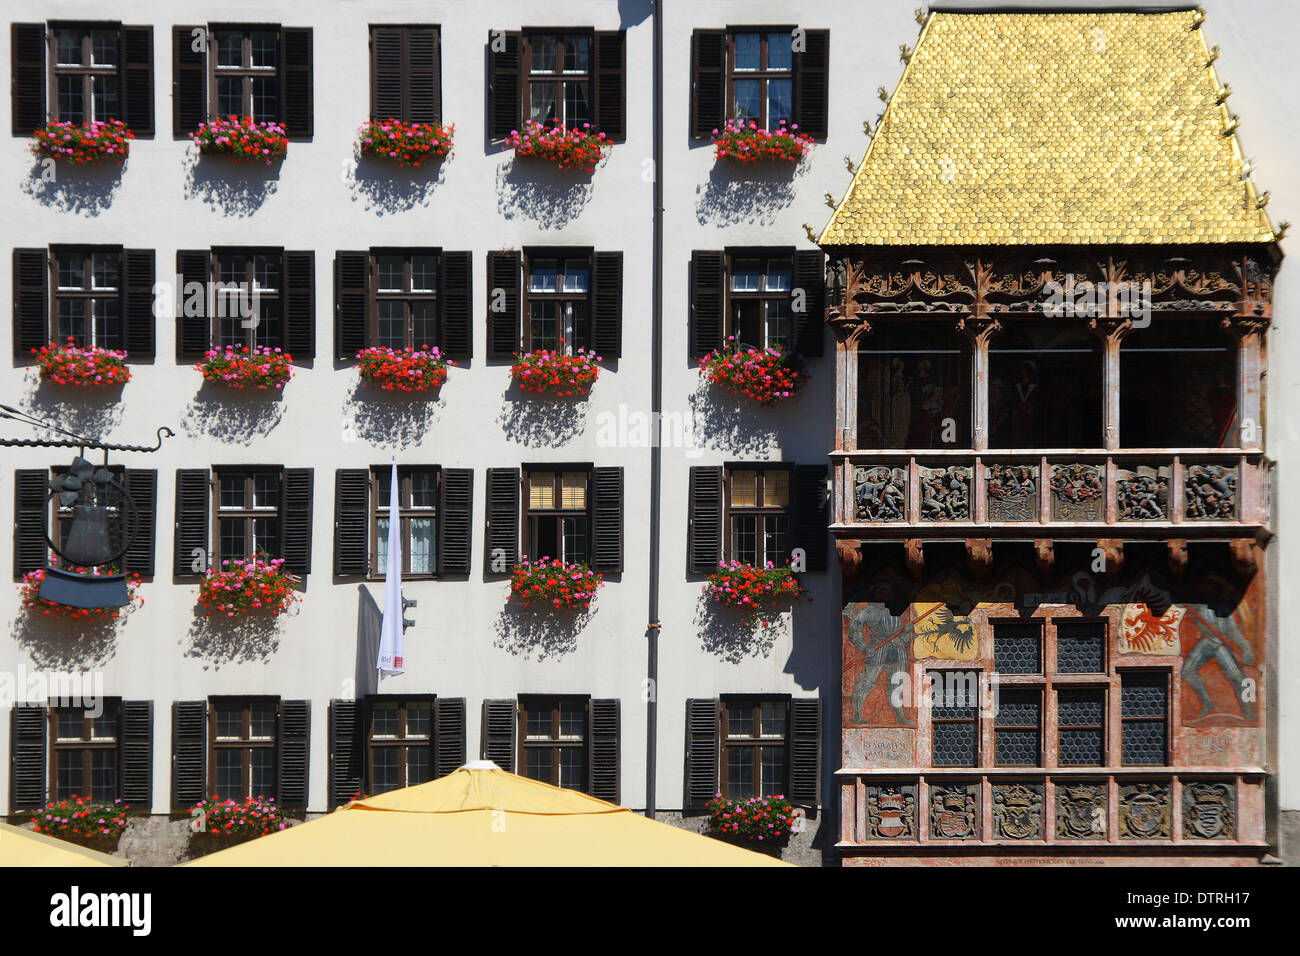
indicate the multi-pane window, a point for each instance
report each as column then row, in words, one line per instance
column 248, row 311
column 399, row 735
column 88, row 297
column 558, row 303
column 1080, row 647
column 417, row 510
column 558, row 87
column 84, row 751
column 755, row 747
column 557, row 516
column 85, row 74
column 1017, row 647
column 243, row 737
column 1081, row 726
column 758, row 518
column 1144, row 717
column 248, row 514
column 761, row 77
column 760, row 300
column 954, row 718
column 1017, row 727
column 554, row 740
column 406, row 300
column 246, row 72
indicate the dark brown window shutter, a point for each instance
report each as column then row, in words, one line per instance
column 351, row 521
column 351, row 303
column 449, row 729
column 296, row 81
column 27, row 77
column 135, row 753
column 502, row 520
column 703, row 724
column 607, row 304
column 31, row 519
column 347, row 745
column 708, row 82
column 192, row 502
column 505, row 93
column 293, row 746
column 498, row 734
column 137, row 302
column 810, row 324
column 503, row 275
column 457, row 303
column 423, row 75
column 455, row 514
column 189, row 753
column 137, row 79
column 708, row 271
column 142, row 485
column 805, row 751
column 810, row 514
column 812, row 84
column 31, row 302
column 27, row 728
column 386, row 86
column 295, row 520
column 610, row 83
column 189, row 81
column 603, row 749
column 193, row 333
column 300, row 304
column 607, row 519
column 704, row 531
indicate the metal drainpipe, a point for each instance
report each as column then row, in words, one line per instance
column 656, row 408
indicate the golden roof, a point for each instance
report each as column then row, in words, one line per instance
column 1037, row 128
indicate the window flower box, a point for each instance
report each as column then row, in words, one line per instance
column 578, row 147
column 753, row 589
column 29, row 595
column 759, row 822
column 262, row 369
column 548, row 582
column 555, row 373
column 407, row 144
column 242, row 139
column 768, row 376
column 79, row 820
column 95, row 142
column 218, row 823
column 403, row 370
column 741, row 142
column 243, row 587
column 91, row 367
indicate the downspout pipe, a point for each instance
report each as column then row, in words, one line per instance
column 656, row 409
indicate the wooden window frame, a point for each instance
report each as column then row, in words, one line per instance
column 245, row 72
column 560, row 78
column 88, row 745
column 766, row 256
column 246, row 743
column 405, row 512
column 555, row 743
column 87, row 70
column 556, row 472
column 276, row 296
column 87, row 293
column 762, row 74
column 247, row 514
column 726, row 742
column 401, row 743
column 407, row 296
column 762, row 511
column 561, row 255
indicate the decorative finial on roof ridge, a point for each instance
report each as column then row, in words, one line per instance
column 1214, row 55
column 1222, row 94
column 1281, row 230
column 883, row 94
column 920, row 15
column 1233, row 123
column 905, row 53
column 808, row 230
column 1198, row 17
column 1263, row 200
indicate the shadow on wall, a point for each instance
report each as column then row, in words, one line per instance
column 754, row 194
column 227, row 187
column 84, row 190
column 533, row 189
column 733, row 635
column 92, row 413
column 388, row 419
column 60, row 644
column 729, row 422
column 541, row 422
column 385, row 188
column 230, row 415
column 246, row 639
column 538, row 633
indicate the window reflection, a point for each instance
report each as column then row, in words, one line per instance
column 914, row 389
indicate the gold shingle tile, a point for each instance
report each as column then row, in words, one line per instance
column 1035, row 128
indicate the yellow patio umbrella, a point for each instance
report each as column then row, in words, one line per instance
column 480, row 815
column 19, row 847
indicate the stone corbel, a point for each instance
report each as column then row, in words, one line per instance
column 1177, row 551
column 979, row 557
column 1112, row 550
column 1045, row 556
column 849, row 554
column 1245, row 554
column 915, row 557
